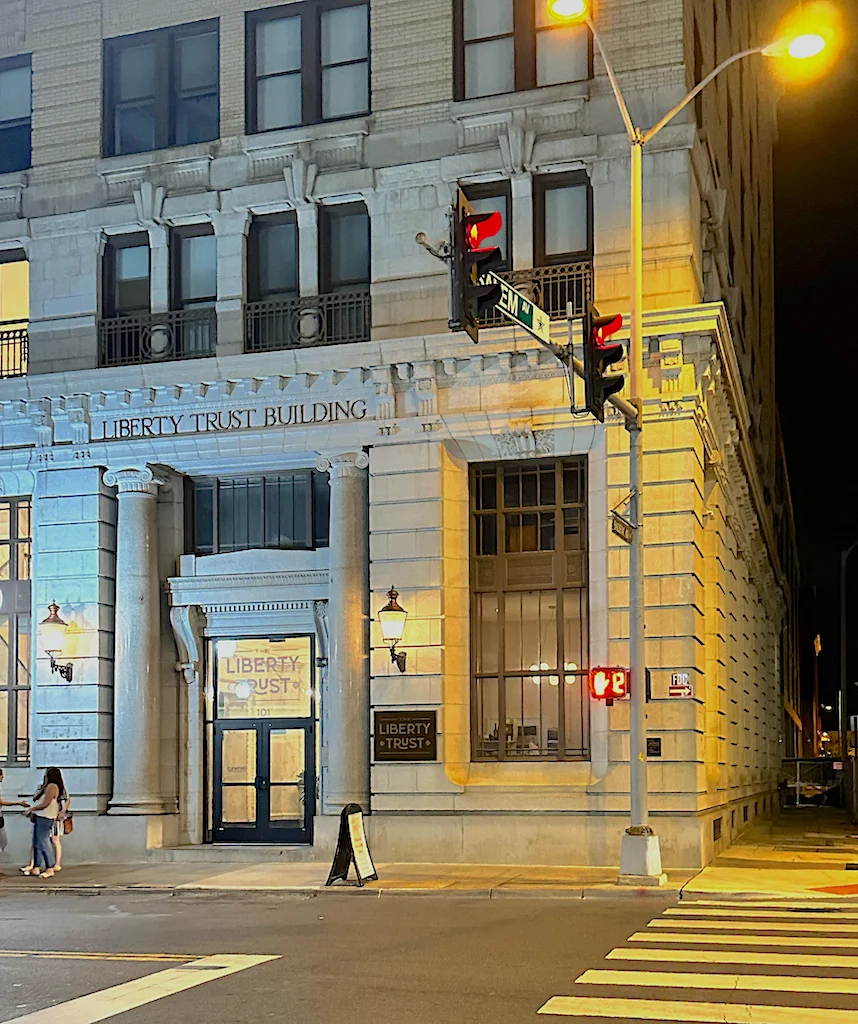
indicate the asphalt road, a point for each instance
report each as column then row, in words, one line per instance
column 200, row 959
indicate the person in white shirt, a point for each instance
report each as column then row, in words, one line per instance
column 44, row 813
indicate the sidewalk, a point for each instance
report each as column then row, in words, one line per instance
column 801, row 855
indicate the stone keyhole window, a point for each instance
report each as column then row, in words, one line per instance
column 529, row 618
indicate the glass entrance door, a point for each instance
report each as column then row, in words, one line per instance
column 264, row 781
column 260, row 729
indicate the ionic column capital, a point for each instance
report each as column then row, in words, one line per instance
column 342, row 464
column 134, row 479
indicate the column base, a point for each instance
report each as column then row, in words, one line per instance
column 640, row 861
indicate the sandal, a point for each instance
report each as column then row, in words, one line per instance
column 26, row 871
column 48, row 874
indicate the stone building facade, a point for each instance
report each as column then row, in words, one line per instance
column 233, row 416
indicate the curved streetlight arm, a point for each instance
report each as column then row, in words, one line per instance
column 671, row 114
column 634, row 134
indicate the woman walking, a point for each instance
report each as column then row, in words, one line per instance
column 44, row 814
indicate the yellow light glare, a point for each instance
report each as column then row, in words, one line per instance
column 568, row 10
column 806, row 46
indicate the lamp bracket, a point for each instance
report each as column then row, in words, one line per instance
column 398, row 658
column 66, row 671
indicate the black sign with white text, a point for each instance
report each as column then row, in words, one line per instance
column 406, row 736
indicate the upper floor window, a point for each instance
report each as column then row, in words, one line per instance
column 194, row 266
column 161, row 89
column 344, row 248
column 307, row 62
column 280, row 510
column 563, row 215
column 272, row 258
column 508, row 45
column 126, row 275
column 15, row 543
column 15, row 110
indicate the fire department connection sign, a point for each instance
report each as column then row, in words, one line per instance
column 680, row 685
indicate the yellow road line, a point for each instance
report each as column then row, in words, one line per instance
column 792, row 915
column 732, row 982
column 73, row 955
column 760, row 926
column 808, row 904
column 121, row 998
column 704, row 1013
column 747, row 940
column 733, row 956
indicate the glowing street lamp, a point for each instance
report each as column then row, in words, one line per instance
column 53, row 631
column 392, row 618
column 568, row 10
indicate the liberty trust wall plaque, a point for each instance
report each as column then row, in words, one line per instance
column 406, row 736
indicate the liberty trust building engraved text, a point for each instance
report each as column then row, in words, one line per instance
column 125, row 428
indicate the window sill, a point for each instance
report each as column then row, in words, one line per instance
column 569, row 92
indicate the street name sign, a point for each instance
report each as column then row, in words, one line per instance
column 680, row 685
column 622, row 527
column 520, row 309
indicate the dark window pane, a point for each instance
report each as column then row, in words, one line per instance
column 547, row 488
column 349, row 249
column 300, row 499
column 529, row 490
column 204, row 495
column 573, row 540
column 197, row 62
column 287, row 512
column 277, row 248
column 321, row 510
column 546, row 531
column 572, row 494
column 511, row 488
column 487, row 719
column 487, row 494
column 196, row 119
column 199, row 268
column 226, row 516
column 15, row 153
column 135, row 72
column 487, row 535
column 240, row 515
column 255, row 537
column 272, row 513
column 134, row 127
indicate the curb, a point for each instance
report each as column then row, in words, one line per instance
column 555, row 893
column 768, row 897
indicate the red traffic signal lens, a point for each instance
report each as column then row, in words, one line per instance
column 609, row 683
column 480, row 227
column 605, row 326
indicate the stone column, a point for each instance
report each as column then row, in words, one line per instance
column 137, row 657
column 231, row 231
column 345, row 718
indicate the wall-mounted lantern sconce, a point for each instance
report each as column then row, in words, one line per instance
column 53, row 635
column 392, row 618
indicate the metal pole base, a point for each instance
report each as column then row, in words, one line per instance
column 640, row 861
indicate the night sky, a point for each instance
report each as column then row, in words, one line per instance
column 816, row 198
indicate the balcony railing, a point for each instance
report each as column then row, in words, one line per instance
column 14, row 348
column 157, row 337
column 551, row 288
column 299, row 322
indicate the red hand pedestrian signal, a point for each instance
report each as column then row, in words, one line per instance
column 480, row 226
column 609, row 684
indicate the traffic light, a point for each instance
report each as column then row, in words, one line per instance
column 473, row 295
column 609, row 684
column 599, row 354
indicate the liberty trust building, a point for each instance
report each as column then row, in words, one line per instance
column 233, row 417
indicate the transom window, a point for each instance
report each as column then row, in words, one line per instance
column 161, row 89
column 15, row 114
column 280, row 510
column 307, row 62
column 15, row 686
column 529, row 610
column 508, row 45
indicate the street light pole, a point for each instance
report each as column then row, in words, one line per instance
column 843, row 724
column 640, row 859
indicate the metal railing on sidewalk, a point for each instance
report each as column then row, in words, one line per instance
column 812, row 782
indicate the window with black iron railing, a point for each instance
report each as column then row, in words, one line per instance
column 14, row 348
column 157, row 337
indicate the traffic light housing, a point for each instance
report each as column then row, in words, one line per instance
column 609, row 684
column 473, row 296
column 599, row 354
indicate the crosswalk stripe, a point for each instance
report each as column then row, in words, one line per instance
column 747, row 940
column 734, row 956
column 704, row 1013
column 792, row 915
column 755, row 926
column 808, row 904
column 733, row 982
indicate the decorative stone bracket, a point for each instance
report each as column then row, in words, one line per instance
column 188, row 623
